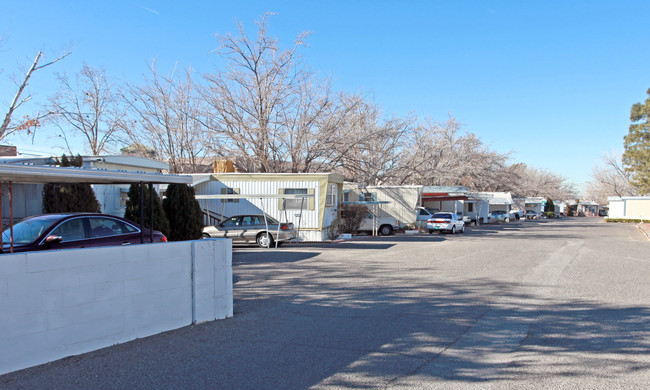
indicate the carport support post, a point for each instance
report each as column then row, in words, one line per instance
column 141, row 212
column 151, row 208
column 1, row 224
column 11, row 216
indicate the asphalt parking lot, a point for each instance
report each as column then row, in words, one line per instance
column 526, row 305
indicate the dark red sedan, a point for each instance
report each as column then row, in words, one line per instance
column 75, row 230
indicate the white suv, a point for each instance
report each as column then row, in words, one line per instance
column 382, row 225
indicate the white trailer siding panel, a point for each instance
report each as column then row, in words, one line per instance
column 308, row 221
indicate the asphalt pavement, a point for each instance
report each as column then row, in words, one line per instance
column 526, row 305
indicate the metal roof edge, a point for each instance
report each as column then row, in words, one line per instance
column 21, row 173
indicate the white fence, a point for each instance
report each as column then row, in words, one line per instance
column 55, row 304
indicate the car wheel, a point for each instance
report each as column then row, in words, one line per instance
column 386, row 230
column 205, row 235
column 453, row 230
column 507, row 220
column 264, row 240
column 430, row 231
column 462, row 229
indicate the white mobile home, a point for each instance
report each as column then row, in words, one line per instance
column 311, row 216
column 402, row 200
column 491, row 201
column 629, row 207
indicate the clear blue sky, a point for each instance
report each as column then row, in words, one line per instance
column 550, row 81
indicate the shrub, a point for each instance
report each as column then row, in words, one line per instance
column 132, row 212
column 625, row 220
column 569, row 211
column 333, row 230
column 183, row 212
column 69, row 197
column 351, row 218
column 549, row 214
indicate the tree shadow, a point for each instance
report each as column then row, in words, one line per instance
column 330, row 324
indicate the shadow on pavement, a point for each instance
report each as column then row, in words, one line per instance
column 366, row 325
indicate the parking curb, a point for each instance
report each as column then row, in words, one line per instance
column 642, row 228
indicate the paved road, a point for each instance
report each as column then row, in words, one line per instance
column 528, row 305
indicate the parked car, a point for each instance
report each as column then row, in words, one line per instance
column 531, row 214
column 252, row 229
column 384, row 225
column 449, row 222
column 519, row 214
column 499, row 216
column 468, row 219
column 75, row 230
column 423, row 214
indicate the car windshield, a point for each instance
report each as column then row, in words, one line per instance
column 441, row 215
column 28, row 230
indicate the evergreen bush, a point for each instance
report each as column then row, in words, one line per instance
column 69, row 197
column 550, row 206
column 183, row 212
column 132, row 212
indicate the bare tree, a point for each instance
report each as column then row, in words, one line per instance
column 370, row 148
column 91, row 107
column 9, row 126
column 263, row 97
column 168, row 120
column 534, row 182
column 442, row 153
column 610, row 179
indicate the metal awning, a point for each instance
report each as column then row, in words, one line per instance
column 19, row 173
column 442, row 196
column 259, row 196
column 372, row 202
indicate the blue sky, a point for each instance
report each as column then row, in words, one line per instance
column 552, row 82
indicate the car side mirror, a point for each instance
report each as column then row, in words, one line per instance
column 53, row 239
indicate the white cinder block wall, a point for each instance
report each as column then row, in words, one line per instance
column 55, row 304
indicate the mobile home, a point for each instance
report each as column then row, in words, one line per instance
column 255, row 193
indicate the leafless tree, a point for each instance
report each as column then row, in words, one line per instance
column 167, row 118
column 369, row 148
column 9, row 126
column 534, row 182
column 266, row 105
column 91, row 107
column 609, row 179
column 442, row 153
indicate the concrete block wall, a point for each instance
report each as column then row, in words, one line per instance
column 55, row 304
column 212, row 295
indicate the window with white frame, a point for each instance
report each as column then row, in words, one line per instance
column 297, row 203
column 346, row 196
column 368, row 196
column 332, row 191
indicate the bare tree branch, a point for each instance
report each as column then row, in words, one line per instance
column 7, row 128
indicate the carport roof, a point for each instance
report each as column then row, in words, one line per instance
column 20, row 173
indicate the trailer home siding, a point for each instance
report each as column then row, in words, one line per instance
column 312, row 219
